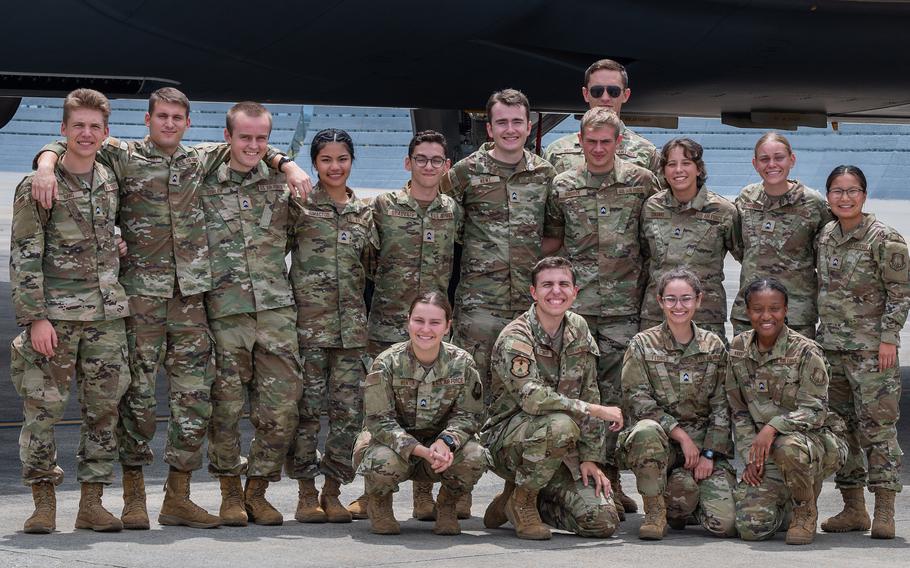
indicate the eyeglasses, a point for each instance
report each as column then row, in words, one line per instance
column 671, row 301
column 852, row 193
column 422, row 161
column 597, row 91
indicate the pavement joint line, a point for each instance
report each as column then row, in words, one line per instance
column 32, row 553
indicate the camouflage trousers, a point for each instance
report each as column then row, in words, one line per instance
column 613, row 335
column 383, row 469
column 658, row 466
column 718, row 329
column 476, row 330
column 96, row 353
column 332, row 378
column 740, row 326
column 374, row 348
column 255, row 354
column 175, row 332
column 797, row 460
column 538, row 452
column 868, row 401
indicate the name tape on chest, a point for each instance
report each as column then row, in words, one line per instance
column 575, row 193
column 631, row 190
column 442, row 215
column 483, row 180
column 402, row 214
column 318, row 214
column 715, row 217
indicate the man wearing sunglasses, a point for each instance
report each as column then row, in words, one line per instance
column 606, row 85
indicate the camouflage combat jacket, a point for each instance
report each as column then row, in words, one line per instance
column 777, row 238
column 530, row 376
column 249, row 219
column 415, row 256
column 863, row 294
column 405, row 405
column 330, row 262
column 64, row 261
column 599, row 227
column 679, row 385
column 565, row 153
column 698, row 235
column 504, row 217
column 786, row 387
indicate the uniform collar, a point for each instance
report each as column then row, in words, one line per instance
column 857, row 232
column 486, row 164
column 153, row 150
column 670, row 344
column 404, row 197
column 321, row 197
column 698, row 202
column 777, row 352
column 569, row 334
column 416, row 365
column 793, row 195
column 226, row 174
column 99, row 176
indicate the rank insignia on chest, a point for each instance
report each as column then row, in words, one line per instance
column 768, row 227
column 245, row 204
column 677, row 233
column 175, row 179
column 685, row 377
column 521, row 366
column 513, row 197
column 423, row 403
column 344, row 237
column 97, row 211
column 604, row 211
column 835, row 262
column 762, row 386
column 429, row 236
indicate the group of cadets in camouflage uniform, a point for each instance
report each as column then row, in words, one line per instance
column 548, row 382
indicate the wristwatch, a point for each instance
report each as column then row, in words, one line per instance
column 708, row 454
column 449, row 441
column 282, row 161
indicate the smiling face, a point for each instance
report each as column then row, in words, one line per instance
column 249, row 140
column 681, row 172
column 679, row 302
column 848, row 210
column 773, row 162
column 333, row 165
column 427, row 327
column 554, row 291
column 509, row 128
column 84, row 130
column 767, row 310
column 167, row 123
column 427, row 176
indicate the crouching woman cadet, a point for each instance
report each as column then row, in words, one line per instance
column 777, row 386
column 423, row 404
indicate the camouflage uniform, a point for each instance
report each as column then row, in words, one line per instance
column 777, row 238
column 788, row 389
column 598, row 224
column 863, row 301
column 566, row 154
column 539, row 430
column 251, row 311
column 332, row 254
column 697, row 235
column 63, row 268
column 504, row 217
column 667, row 385
column 416, row 256
column 406, row 405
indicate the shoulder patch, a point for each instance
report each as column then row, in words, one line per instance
column 521, row 366
column 522, row 347
column 818, row 376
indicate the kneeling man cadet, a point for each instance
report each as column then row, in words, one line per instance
column 63, row 274
column 545, row 430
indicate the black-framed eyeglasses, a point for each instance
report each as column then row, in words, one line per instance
column 852, row 192
column 671, row 301
column 597, row 91
column 422, row 161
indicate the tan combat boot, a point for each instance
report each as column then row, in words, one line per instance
column 854, row 517
column 654, row 525
column 335, row 512
column 135, row 515
column 358, row 508
column 92, row 514
column 495, row 515
column 308, row 509
column 258, row 509
column 804, row 517
column 424, row 507
column 624, row 504
column 521, row 510
column 232, row 511
column 44, row 519
column 382, row 518
column 178, row 510
column 463, row 507
column 883, row 519
column 447, row 513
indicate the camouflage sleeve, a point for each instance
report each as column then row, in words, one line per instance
column 467, row 413
column 638, row 400
column 732, row 241
column 592, row 441
column 549, row 153
column 26, row 257
column 456, row 181
column 554, row 220
column 717, row 437
column 652, row 182
column 57, row 147
column 459, row 223
column 744, row 429
column 211, row 155
column 811, row 398
column 379, row 416
column 654, row 163
column 515, row 363
column 896, row 279
column 369, row 257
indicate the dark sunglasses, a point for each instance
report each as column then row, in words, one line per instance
column 597, row 91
